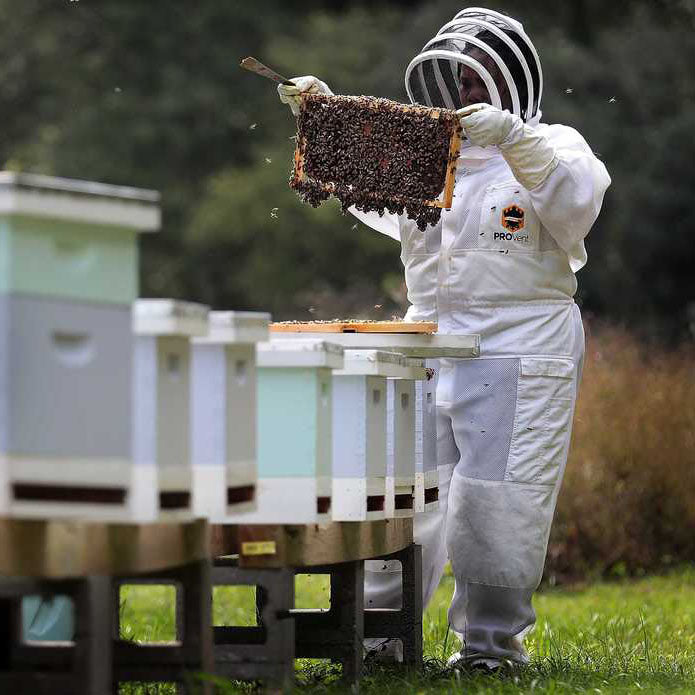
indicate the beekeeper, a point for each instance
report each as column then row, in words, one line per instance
column 501, row 263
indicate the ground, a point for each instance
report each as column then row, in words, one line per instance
column 623, row 636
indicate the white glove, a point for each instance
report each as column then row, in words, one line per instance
column 484, row 124
column 529, row 155
column 290, row 94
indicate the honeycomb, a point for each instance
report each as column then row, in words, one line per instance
column 376, row 154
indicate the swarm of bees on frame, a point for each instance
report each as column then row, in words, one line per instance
column 373, row 153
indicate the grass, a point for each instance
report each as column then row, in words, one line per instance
column 624, row 636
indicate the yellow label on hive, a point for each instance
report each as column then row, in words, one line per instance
column 258, row 548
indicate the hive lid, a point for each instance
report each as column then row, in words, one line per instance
column 300, row 353
column 371, row 363
column 169, row 317
column 35, row 195
column 237, row 327
column 353, row 326
column 415, row 345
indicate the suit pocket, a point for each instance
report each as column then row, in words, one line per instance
column 508, row 222
column 542, row 421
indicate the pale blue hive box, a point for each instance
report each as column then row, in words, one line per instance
column 71, row 239
column 294, row 431
column 223, row 425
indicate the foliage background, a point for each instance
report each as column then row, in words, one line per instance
column 149, row 94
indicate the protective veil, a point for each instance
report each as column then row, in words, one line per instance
column 501, row 264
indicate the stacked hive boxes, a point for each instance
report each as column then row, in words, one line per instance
column 360, row 433
column 295, row 431
column 224, row 414
column 68, row 275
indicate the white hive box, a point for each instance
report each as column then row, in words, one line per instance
column 400, row 439
column 68, row 276
column 426, row 474
column 223, row 423
column 359, row 434
column 294, row 431
column 162, row 475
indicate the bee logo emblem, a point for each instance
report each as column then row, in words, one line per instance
column 513, row 218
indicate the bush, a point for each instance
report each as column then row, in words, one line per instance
column 628, row 501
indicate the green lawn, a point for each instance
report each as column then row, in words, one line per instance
column 618, row 637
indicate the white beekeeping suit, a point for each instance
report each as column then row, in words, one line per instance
column 501, row 264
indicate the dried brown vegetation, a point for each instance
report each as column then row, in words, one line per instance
column 628, row 501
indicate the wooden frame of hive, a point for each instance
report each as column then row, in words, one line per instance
column 449, row 181
column 353, row 326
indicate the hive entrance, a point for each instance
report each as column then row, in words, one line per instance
column 376, row 154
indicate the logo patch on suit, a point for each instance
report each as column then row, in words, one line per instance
column 513, row 218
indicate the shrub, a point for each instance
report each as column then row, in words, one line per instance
column 628, row 500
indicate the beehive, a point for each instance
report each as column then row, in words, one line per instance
column 400, row 439
column 359, row 434
column 162, row 469
column 376, row 154
column 294, row 431
column 68, row 275
column 224, row 414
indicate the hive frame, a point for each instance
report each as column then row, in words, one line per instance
column 449, row 181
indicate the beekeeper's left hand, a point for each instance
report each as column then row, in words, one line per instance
column 487, row 125
column 529, row 154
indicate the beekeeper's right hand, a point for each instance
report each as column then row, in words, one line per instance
column 290, row 94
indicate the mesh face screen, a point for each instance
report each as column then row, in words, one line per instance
column 373, row 153
column 486, row 36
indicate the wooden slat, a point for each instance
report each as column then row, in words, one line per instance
column 63, row 549
column 306, row 546
column 353, row 327
column 454, row 148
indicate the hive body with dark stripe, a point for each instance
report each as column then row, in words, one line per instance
column 376, row 154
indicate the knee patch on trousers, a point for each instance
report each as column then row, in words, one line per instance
column 497, row 532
